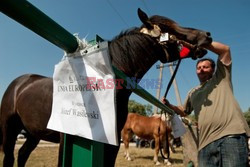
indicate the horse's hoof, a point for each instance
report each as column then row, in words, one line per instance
column 166, row 161
column 157, row 163
column 128, row 158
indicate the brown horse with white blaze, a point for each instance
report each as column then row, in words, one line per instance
column 147, row 128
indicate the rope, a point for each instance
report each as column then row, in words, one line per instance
column 167, row 145
column 165, row 95
column 172, row 78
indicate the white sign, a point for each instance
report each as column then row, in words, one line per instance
column 83, row 96
column 177, row 126
column 164, row 37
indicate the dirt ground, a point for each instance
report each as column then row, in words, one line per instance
column 45, row 155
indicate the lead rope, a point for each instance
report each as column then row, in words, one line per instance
column 172, row 78
column 182, row 43
column 167, row 142
column 165, row 95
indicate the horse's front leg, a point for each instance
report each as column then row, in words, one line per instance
column 126, row 140
column 172, row 149
column 126, row 136
column 60, row 152
column 126, row 153
column 110, row 153
column 171, row 143
column 157, row 148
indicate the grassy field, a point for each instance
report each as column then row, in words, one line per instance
column 46, row 156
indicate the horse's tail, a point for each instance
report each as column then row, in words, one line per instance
column 167, row 145
column 167, row 148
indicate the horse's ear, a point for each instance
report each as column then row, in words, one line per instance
column 144, row 19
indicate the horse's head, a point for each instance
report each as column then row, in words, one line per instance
column 171, row 36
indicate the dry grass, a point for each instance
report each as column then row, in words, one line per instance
column 143, row 157
column 44, row 156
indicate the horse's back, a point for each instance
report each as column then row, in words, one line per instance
column 140, row 119
column 29, row 97
column 10, row 95
column 14, row 89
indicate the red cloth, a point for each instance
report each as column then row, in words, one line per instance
column 184, row 52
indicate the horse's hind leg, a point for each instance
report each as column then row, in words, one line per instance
column 10, row 131
column 26, row 149
column 8, row 149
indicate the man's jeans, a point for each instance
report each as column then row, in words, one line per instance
column 229, row 151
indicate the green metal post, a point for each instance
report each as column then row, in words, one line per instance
column 77, row 151
column 81, row 152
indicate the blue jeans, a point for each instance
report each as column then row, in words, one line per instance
column 225, row 152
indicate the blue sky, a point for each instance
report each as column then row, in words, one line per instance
column 22, row 51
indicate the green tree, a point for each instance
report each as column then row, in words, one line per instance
column 149, row 109
column 135, row 107
column 247, row 116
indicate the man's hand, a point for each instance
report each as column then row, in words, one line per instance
column 177, row 109
column 165, row 101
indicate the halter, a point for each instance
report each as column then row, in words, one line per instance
column 163, row 38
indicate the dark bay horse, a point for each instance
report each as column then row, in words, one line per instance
column 27, row 102
column 150, row 128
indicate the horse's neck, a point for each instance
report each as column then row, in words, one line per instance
column 133, row 55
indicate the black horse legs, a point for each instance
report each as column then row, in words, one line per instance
column 10, row 132
column 26, row 149
column 110, row 153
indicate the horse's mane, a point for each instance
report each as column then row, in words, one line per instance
column 133, row 52
column 130, row 31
